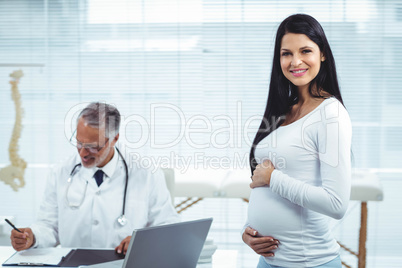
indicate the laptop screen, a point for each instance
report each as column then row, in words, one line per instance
column 175, row 245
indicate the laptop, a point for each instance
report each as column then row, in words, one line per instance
column 176, row 245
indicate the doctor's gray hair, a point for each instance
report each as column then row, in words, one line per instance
column 101, row 115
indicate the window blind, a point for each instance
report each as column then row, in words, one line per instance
column 204, row 67
column 191, row 77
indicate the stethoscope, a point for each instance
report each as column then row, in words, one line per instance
column 122, row 220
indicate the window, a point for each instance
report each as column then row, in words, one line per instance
column 191, row 77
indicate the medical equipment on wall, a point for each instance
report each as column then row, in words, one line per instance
column 14, row 172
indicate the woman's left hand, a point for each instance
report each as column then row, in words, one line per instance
column 262, row 174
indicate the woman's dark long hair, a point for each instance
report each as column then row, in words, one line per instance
column 282, row 93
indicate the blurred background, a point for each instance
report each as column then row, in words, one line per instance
column 169, row 65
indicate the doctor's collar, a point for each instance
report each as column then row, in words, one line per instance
column 110, row 167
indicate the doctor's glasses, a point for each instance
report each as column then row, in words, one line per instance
column 92, row 148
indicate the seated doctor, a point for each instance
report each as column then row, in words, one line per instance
column 94, row 199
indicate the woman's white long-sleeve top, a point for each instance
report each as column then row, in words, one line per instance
column 310, row 183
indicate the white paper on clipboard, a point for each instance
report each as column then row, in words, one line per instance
column 38, row 256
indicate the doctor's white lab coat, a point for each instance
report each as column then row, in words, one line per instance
column 94, row 224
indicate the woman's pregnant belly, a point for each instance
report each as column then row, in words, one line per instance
column 272, row 215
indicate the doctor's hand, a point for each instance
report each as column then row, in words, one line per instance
column 122, row 248
column 262, row 174
column 262, row 245
column 24, row 240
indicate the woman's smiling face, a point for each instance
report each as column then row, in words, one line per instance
column 300, row 59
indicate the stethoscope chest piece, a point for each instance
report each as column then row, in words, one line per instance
column 122, row 220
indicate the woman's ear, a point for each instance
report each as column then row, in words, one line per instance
column 322, row 57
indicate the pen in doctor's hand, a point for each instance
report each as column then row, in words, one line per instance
column 12, row 225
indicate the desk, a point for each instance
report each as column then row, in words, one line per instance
column 221, row 258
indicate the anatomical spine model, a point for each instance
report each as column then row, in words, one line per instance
column 15, row 171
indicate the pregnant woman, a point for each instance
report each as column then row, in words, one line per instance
column 301, row 154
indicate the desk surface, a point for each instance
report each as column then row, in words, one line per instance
column 221, row 258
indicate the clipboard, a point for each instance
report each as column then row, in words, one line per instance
column 38, row 257
column 78, row 257
column 62, row 257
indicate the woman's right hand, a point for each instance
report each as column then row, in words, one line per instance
column 262, row 245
